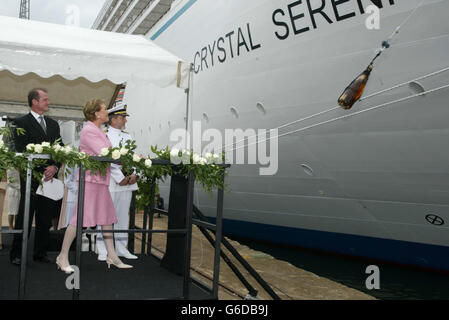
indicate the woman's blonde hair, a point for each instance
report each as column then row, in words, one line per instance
column 92, row 106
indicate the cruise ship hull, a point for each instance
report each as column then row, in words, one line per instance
column 372, row 181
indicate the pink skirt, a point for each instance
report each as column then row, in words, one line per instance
column 98, row 206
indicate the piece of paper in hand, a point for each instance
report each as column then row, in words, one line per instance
column 51, row 189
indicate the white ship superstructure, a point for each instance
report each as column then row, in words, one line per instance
column 372, row 181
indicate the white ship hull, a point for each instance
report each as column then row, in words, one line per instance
column 371, row 179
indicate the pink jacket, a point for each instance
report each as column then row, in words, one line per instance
column 92, row 140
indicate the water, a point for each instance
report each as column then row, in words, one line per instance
column 396, row 282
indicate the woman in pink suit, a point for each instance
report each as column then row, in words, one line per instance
column 98, row 205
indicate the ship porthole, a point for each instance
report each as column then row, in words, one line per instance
column 234, row 112
column 206, row 118
column 169, row 124
column 149, row 128
column 307, row 169
column 261, row 108
column 416, row 87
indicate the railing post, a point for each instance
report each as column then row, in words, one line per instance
column 188, row 236
column 79, row 228
column 144, row 227
column 150, row 227
column 132, row 222
column 25, row 231
column 218, row 237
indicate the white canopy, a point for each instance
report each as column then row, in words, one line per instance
column 49, row 49
column 77, row 64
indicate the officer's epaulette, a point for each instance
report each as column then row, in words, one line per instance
column 125, row 131
column 105, row 130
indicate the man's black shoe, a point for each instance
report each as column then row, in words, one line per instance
column 16, row 261
column 43, row 259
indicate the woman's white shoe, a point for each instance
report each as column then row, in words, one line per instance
column 119, row 264
column 67, row 269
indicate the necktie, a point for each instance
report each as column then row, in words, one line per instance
column 42, row 123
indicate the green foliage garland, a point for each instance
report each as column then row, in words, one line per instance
column 206, row 169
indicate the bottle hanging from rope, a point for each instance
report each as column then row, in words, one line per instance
column 354, row 91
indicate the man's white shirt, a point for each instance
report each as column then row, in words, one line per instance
column 37, row 117
column 116, row 136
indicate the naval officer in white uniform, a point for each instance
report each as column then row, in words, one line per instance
column 121, row 186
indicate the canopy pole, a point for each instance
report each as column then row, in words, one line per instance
column 114, row 97
column 189, row 120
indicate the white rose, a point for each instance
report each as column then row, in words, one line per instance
column 38, row 148
column 1, row 143
column 123, row 151
column 209, row 157
column 68, row 149
column 45, row 144
column 136, row 158
column 217, row 159
column 203, row 161
column 174, row 152
column 104, row 152
column 148, row 163
column 57, row 147
column 82, row 155
column 174, row 156
column 115, row 154
column 30, row 147
column 196, row 158
column 185, row 157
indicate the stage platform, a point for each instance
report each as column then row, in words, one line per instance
column 147, row 280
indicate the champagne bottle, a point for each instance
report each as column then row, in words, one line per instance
column 355, row 90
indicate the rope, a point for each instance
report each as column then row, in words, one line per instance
column 405, row 83
column 350, row 115
column 338, row 107
column 386, row 43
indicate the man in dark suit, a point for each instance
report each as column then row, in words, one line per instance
column 38, row 128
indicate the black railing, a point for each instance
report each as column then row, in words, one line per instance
column 187, row 231
column 234, row 252
column 151, row 211
column 204, row 225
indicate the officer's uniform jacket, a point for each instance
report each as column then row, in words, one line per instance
column 116, row 136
